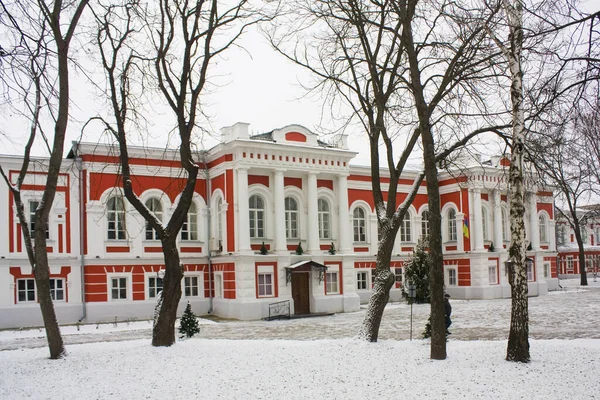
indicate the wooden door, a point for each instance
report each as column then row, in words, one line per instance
column 300, row 291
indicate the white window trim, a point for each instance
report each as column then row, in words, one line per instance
column 200, row 285
column 266, row 270
column 455, row 270
column 34, row 301
column 147, row 277
column 367, row 280
column 218, row 290
column 547, row 269
column 494, row 265
column 64, row 289
column 330, row 270
column 110, row 276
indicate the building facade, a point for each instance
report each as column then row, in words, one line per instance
column 275, row 191
column 568, row 258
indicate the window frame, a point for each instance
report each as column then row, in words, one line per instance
column 324, row 218
column 257, row 217
column 150, row 233
column 329, row 282
column 493, row 271
column 154, row 288
column 292, row 216
column 55, row 290
column 543, row 228
column 218, row 285
column 268, row 289
column 27, row 291
column 189, row 229
column 405, row 229
column 530, row 272
column 126, row 287
column 359, row 225
column 452, row 277
column 190, row 286
column 425, row 224
column 362, row 279
column 118, row 219
column 452, row 230
column 32, row 219
column 547, row 269
column 485, row 223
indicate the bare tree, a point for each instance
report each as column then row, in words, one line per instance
column 36, row 61
column 186, row 38
column 397, row 65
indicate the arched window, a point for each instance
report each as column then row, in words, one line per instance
column 484, row 223
column 220, row 216
column 425, row 224
column 155, row 208
column 115, row 214
column 405, row 235
column 291, row 218
column 504, row 225
column 452, row 236
column 189, row 230
column 562, row 235
column 257, row 217
column 543, row 226
column 324, row 219
column 359, row 224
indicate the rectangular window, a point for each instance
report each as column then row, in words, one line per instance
column 570, row 264
column 398, row 274
column 33, row 205
column 452, row 281
column 25, row 290
column 57, row 289
column 155, row 285
column 405, row 235
column 546, row 270
column 493, row 274
column 530, row 275
column 118, row 288
column 218, row 285
column 331, row 283
column 361, row 280
column 265, row 285
column 191, row 286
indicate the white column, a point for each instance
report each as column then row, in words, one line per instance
column 460, row 236
column 498, row 242
column 552, row 235
column 243, row 211
column 313, row 222
column 533, row 222
column 278, row 200
column 477, row 221
column 344, row 219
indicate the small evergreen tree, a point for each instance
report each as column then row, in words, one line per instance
column 188, row 326
column 299, row 249
column 427, row 331
column 263, row 249
column 491, row 248
column 332, row 249
column 416, row 272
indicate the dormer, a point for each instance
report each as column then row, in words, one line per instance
column 295, row 134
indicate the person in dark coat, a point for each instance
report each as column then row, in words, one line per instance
column 448, row 310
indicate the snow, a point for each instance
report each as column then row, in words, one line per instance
column 258, row 359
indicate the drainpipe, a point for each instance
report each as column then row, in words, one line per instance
column 208, row 231
column 78, row 164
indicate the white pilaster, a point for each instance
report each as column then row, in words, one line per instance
column 477, row 221
column 552, row 235
column 243, row 211
column 344, row 245
column 313, row 222
column 460, row 237
column 533, row 222
column 498, row 242
column 278, row 200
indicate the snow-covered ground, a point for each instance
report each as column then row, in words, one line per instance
column 319, row 357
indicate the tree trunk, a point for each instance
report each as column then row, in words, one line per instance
column 42, row 283
column 581, row 255
column 518, row 338
column 163, row 333
column 384, row 280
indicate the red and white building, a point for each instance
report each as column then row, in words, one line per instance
column 283, row 188
column 568, row 258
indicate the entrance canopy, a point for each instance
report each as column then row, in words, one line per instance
column 305, row 266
